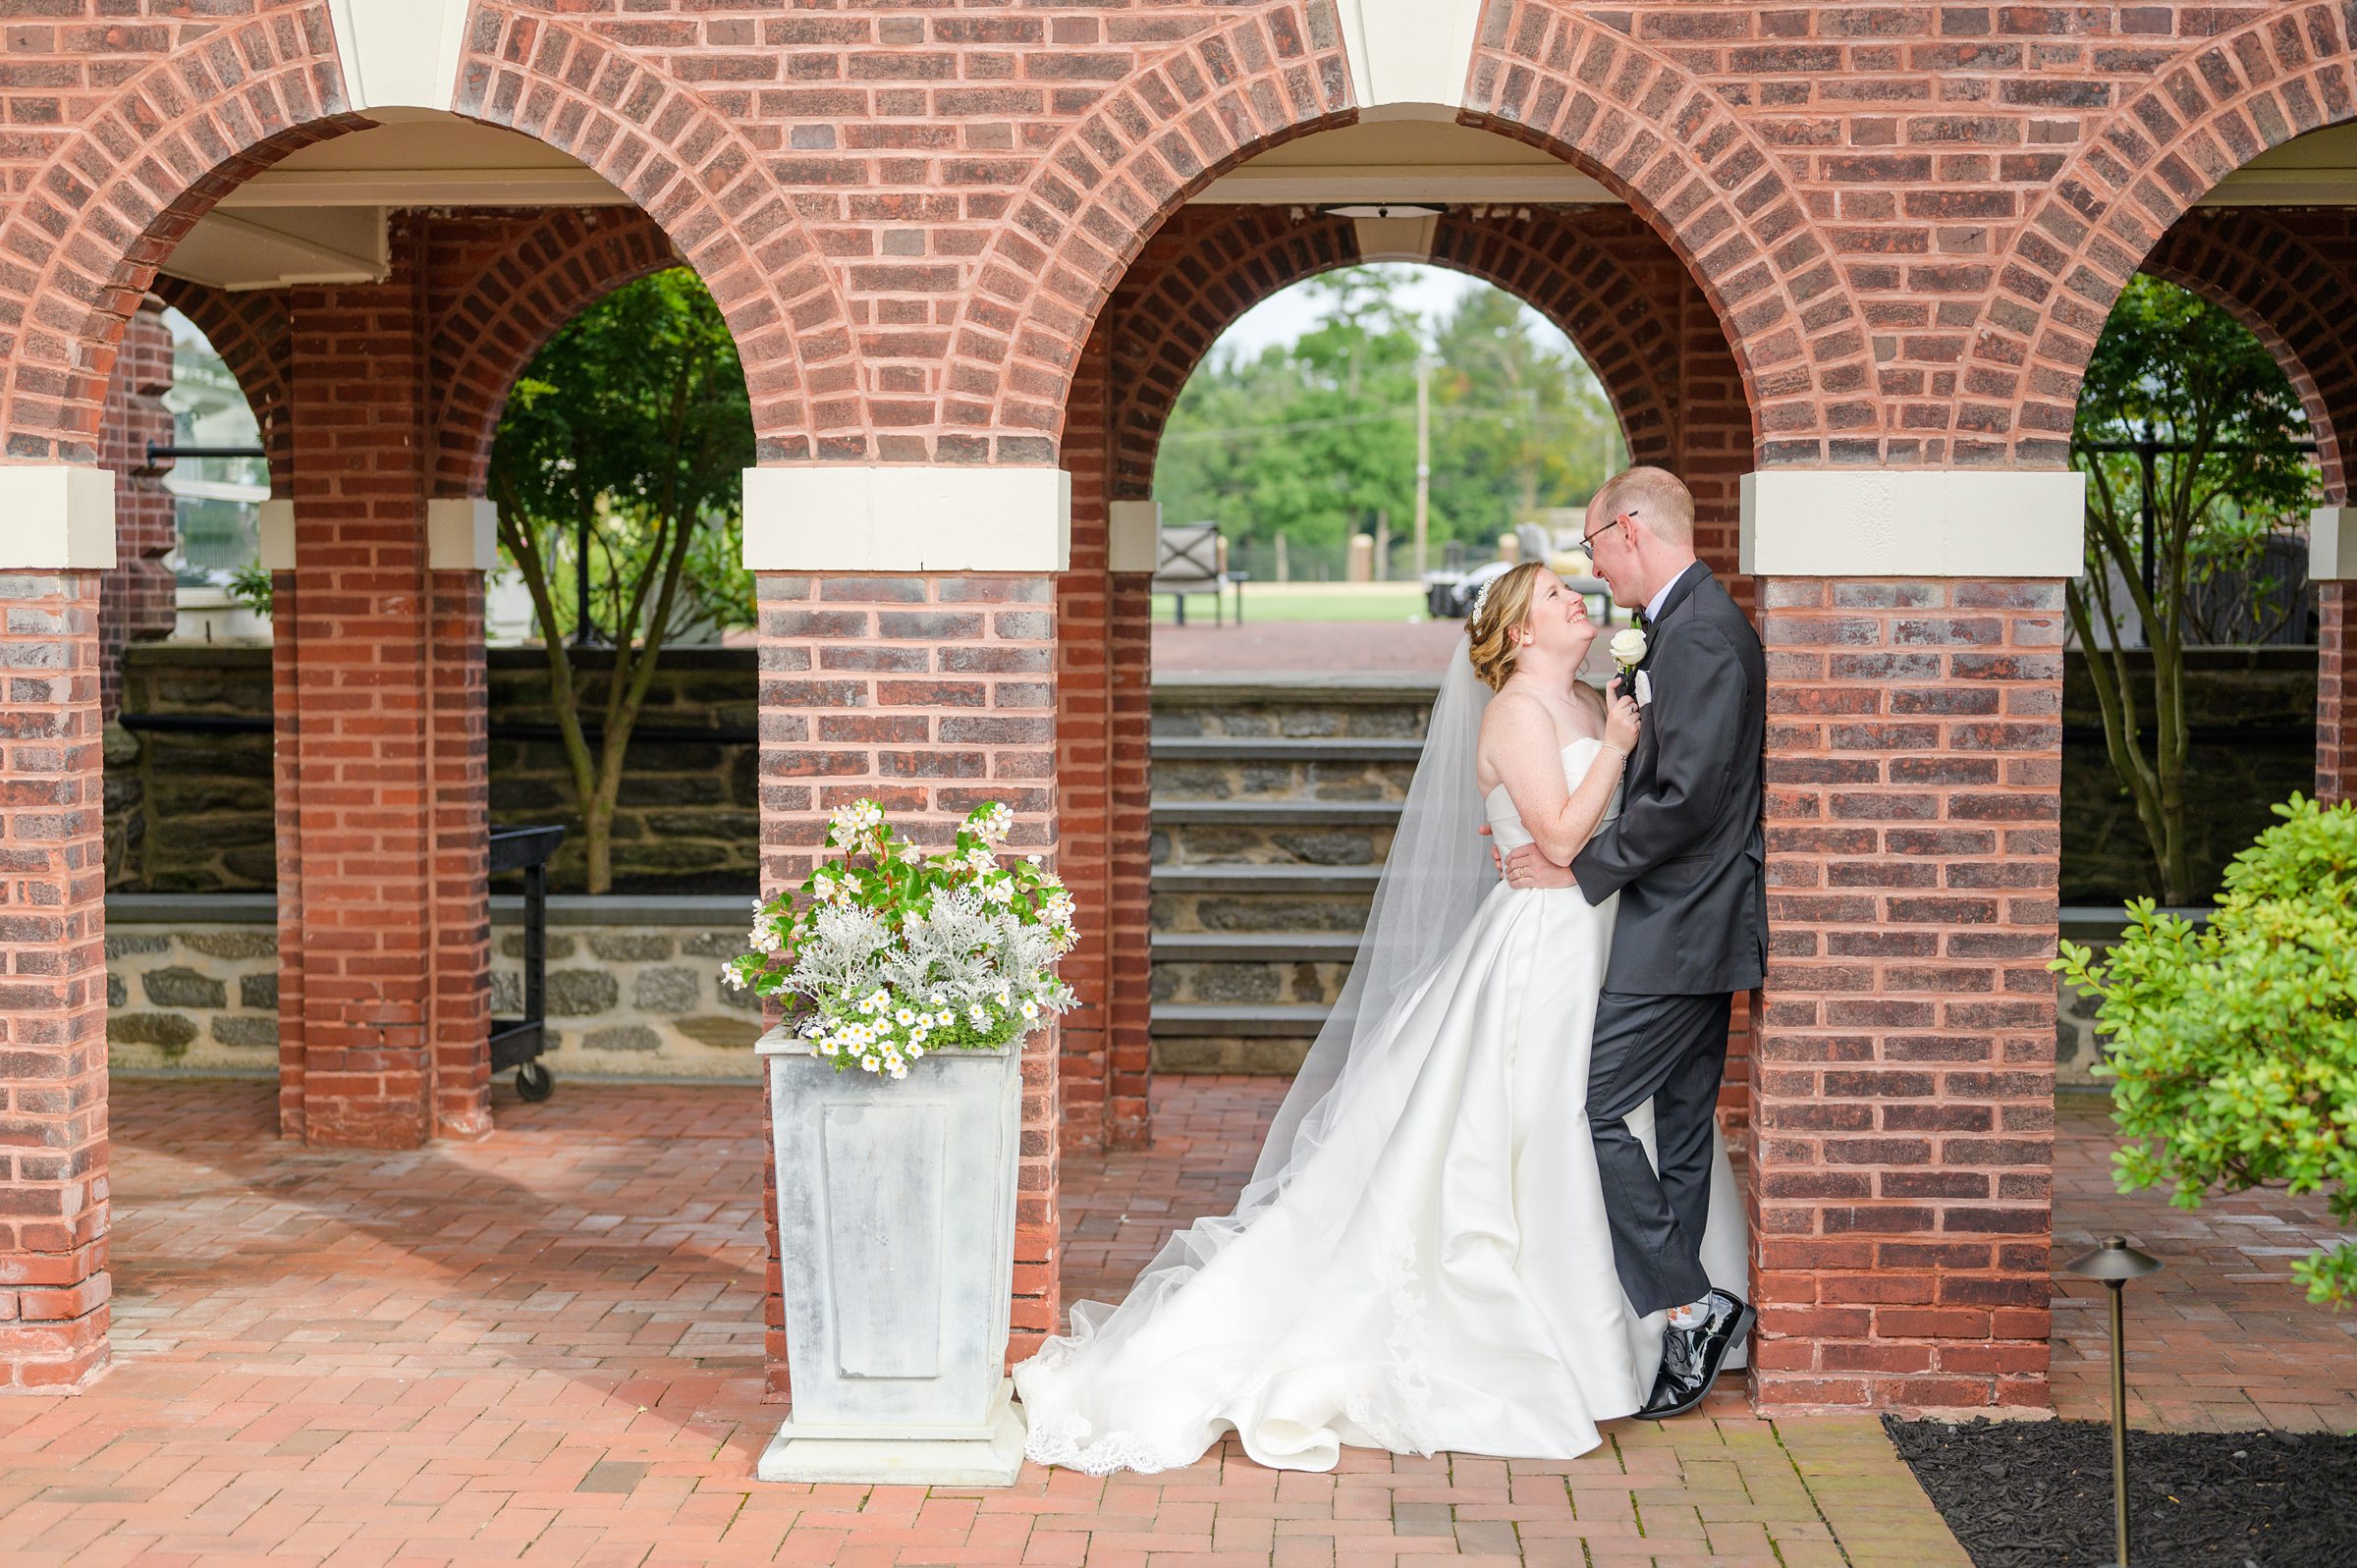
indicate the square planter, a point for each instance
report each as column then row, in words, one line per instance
column 896, row 1242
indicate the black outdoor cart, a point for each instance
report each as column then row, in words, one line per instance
column 517, row 1042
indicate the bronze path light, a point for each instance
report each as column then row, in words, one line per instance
column 2116, row 1262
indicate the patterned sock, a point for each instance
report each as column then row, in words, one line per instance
column 1691, row 1316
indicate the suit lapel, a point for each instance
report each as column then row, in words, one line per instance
column 1679, row 592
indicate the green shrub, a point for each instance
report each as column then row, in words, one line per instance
column 2233, row 1049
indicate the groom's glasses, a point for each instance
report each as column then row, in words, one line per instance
column 1589, row 539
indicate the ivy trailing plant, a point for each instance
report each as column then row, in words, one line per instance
column 2232, row 1048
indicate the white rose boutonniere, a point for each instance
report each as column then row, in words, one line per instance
column 1628, row 648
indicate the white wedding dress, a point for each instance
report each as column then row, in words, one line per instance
column 1436, row 1274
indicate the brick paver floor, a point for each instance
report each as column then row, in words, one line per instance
column 545, row 1347
column 2221, row 1339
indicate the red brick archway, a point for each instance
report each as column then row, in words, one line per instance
column 517, row 281
column 1619, row 111
column 1209, row 264
column 2204, row 116
column 196, row 121
column 2266, row 269
column 248, row 331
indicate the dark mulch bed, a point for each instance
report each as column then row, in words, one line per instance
column 2038, row 1494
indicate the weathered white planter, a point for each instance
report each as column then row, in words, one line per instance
column 896, row 1237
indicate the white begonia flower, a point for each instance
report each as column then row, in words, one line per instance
column 945, row 1018
column 1030, row 1010
column 867, row 1006
column 870, row 1063
column 900, row 1070
column 904, row 1017
column 976, row 1014
column 731, row 977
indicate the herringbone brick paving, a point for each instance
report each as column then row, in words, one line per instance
column 545, row 1347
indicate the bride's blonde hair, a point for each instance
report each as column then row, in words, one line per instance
column 1504, row 608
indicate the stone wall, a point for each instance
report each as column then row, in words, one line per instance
column 633, row 985
column 191, row 811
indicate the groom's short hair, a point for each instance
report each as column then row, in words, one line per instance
column 1658, row 499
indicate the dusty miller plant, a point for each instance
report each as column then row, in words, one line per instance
column 893, row 953
column 2233, row 1049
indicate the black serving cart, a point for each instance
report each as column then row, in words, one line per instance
column 517, row 1042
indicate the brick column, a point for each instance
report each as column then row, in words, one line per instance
column 57, row 543
column 929, row 692
column 384, row 946
column 1901, row 1164
column 139, row 599
column 2333, row 567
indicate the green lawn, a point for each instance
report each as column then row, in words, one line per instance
column 1308, row 601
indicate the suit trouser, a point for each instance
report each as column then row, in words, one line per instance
column 1672, row 1052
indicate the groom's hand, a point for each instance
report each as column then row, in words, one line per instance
column 1525, row 867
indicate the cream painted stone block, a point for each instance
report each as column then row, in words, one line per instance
column 278, row 535
column 1133, row 536
column 1408, row 57
column 400, row 53
column 56, row 516
column 462, row 534
column 908, row 518
column 1913, row 522
column 2332, row 543
column 1397, row 238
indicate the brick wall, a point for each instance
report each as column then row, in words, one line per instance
column 929, row 695
column 2337, row 692
column 53, row 1278
column 136, row 601
column 1901, row 1171
column 383, row 1000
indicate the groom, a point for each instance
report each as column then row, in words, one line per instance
column 1685, row 855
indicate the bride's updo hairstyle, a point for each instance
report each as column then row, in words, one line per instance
column 1503, row 611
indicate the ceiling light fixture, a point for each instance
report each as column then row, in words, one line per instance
column 1383, row 209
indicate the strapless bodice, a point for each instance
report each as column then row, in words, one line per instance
column 1505, row 828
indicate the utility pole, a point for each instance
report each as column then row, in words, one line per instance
column 1423, row 458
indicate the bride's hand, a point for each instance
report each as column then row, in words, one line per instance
column 1620, row 722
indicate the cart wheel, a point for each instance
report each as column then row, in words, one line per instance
column 534, row 1082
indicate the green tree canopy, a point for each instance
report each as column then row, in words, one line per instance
column 1316, row 439
column 627, row 442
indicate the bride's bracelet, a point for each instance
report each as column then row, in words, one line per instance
column 1618, row 751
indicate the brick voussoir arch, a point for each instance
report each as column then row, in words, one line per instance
column 2248, row 263
column 707, row 187
column 2214, row 110
column 1667, row 145
column 567, row 261
column 1224, row 260
column 253, row 335
column 1183, row 119
column 80, row 249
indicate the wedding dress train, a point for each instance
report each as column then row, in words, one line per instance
column 1437, row 1275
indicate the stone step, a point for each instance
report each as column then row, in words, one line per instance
column 1282, row 967
column 1228, row 768
column 1335, row 706
column 1315, row 833
column 1230, row 898
column 1233, row 1038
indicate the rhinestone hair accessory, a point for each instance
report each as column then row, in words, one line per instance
column 1481, row 599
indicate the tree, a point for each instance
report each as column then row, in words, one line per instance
column 2234, row 1047
column 1314, row 439
column 2221, row 428
column 626, row 439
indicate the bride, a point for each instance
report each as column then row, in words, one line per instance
column 1421, row 1260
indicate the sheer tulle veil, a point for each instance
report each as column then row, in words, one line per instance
column 1433, row 882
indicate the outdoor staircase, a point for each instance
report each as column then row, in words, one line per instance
column 1274, row 800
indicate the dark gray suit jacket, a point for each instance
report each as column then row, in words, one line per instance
column 1686, row 854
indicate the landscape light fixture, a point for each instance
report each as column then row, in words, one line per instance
column 2116, row 1262
column 1384, row 209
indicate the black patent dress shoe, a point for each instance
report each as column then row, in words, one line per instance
column 1692, row 1358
